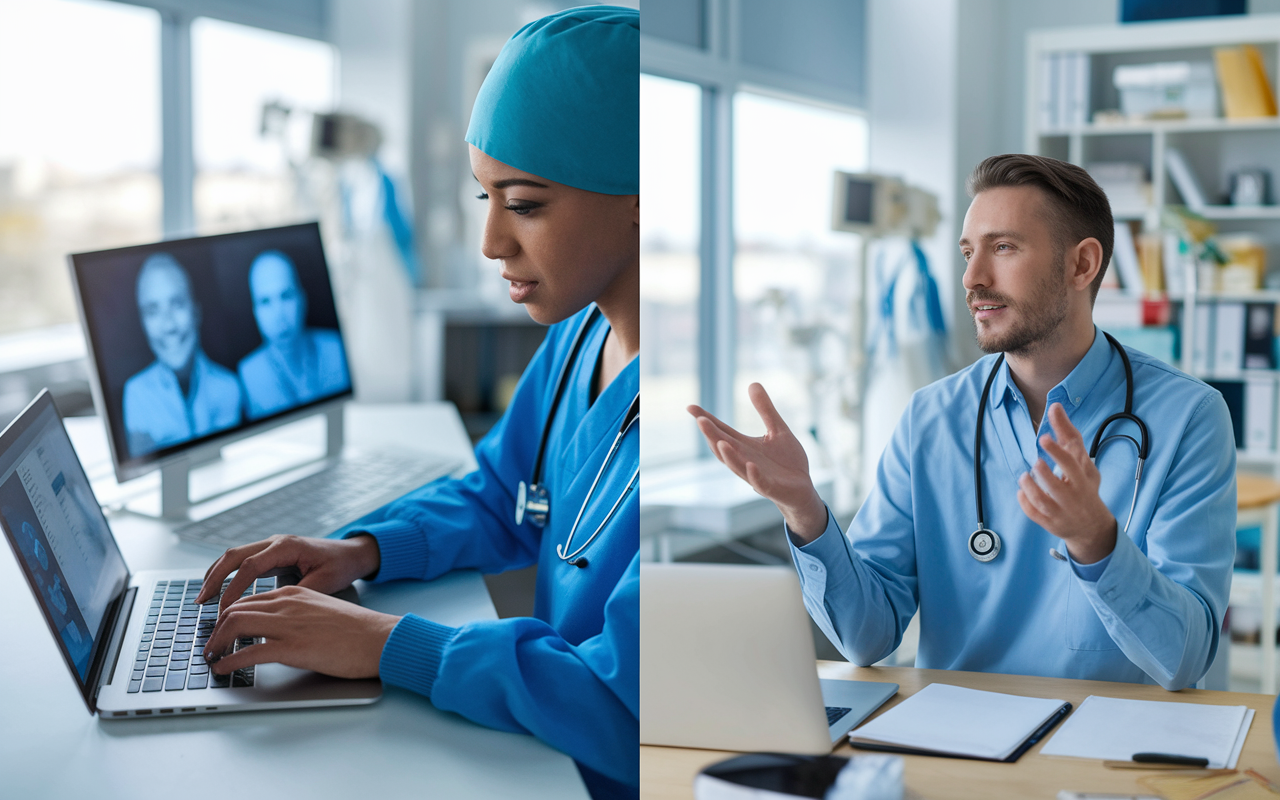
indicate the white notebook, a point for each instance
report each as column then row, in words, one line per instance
column 1109, row 728
column 953, row 720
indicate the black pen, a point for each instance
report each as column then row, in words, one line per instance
column 1192, row 762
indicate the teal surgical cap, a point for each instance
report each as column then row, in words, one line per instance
column 563, row 100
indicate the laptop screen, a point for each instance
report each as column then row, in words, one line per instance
column 197, row 338
column 58, row 533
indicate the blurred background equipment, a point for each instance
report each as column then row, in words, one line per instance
column 903, row 345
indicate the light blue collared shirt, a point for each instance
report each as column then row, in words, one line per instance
column 1151, row 612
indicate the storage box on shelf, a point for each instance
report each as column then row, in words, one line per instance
column 1204, row 160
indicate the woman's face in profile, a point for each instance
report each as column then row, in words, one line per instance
column 559, row 247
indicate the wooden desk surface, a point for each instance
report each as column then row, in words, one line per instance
column 668, row 772
column 1255, row 491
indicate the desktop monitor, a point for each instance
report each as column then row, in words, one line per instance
column 201, row 341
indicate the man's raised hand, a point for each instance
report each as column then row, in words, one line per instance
column 775, row 465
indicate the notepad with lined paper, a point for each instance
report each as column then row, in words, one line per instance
column 947, row 720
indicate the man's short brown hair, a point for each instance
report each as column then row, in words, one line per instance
column 1078, row 208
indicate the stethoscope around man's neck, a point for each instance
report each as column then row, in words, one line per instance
column 984, row 544
column 533, row 502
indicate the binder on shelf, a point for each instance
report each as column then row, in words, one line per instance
column 1233, row 393
column 1063, row 90
column 1048, row 78
column 1079, row 97
column 1202, row 340
column 1246, row 91
column 1260, row 413
column 1125, row 254
column 1228, row 340
column 1260, row 324
column 1184, row 179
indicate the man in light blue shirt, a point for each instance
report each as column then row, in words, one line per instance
column 182, row 394
column 294, row 364
column 1137, row 599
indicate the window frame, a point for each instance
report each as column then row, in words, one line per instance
column 718, row 70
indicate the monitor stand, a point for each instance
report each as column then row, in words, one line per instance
column 175, row 476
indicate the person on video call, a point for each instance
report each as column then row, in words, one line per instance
column 294, row 364
column 182, row 395
column 554, row 146
column 1081, row 586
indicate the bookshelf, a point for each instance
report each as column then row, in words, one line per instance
column 1070, row 79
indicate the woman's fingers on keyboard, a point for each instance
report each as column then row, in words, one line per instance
column 273, row 553
column 302, row 628
column 227, row 563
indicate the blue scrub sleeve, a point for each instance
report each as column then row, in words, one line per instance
column 519, row 675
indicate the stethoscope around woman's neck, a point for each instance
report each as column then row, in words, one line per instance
column 984, row 544
column 533, row 500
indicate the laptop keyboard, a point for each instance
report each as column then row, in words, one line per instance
column 170, row 656
column 321, row 503
column 834, row 713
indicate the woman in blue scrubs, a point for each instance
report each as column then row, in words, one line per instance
column 554, row 145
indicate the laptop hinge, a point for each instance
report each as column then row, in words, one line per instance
column 116, row 641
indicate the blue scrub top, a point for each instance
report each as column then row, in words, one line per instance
column 570, row 674
column 1151, row 612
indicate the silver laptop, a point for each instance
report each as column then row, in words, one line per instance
column 133, row 642
column 727, row 663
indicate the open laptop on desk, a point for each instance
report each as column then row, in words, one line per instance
column 132, row 641
column 727, row 663
column 196, row 343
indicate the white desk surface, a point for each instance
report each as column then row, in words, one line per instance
column 50, row 746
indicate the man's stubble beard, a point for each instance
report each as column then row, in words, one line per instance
column 1040, row 315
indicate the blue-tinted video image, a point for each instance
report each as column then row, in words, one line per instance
column 20, row 519
column 195, row 337
column 181, row 395
column 294, row 364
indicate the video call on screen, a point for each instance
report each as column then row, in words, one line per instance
column 202, row 336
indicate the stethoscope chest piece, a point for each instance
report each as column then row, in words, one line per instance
column 532, row 501
column 984, row 544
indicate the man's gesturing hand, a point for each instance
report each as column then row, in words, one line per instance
column 1068, row 507
column 774, row 464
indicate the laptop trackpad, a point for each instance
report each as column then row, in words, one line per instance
column 862, row 698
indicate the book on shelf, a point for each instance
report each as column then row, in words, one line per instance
column 1246, row 90
column 1150, row 263
column 1184, row 179
column 1125, row 184
column 1124, row 253
column 1176, row 259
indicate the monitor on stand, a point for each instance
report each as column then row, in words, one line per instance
column 195, row 343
